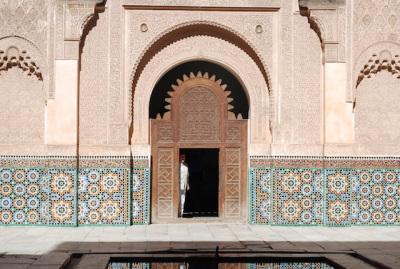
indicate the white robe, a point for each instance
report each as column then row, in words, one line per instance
column 184, row 179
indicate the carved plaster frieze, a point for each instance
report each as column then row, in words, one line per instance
column 374, row 28
column 21, row 53
column 77, row 14
column 381, row 56
column 21, row 59
column 25, row 25
column 257, row 29
column 25, row 18
column 71, row 18
column 329, row 21
column 383, row 61
column 223, row 53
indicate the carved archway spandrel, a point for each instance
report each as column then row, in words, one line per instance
column 383, row 61
column 18, row 52
column 381, row 56
column 13, row 57
column 192, row 29
column 182, row 51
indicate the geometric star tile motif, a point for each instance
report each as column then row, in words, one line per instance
column 338, row 196
column 110, row 191
column 103, row 196
column 298, row 196
column 140, row 202
column 376, row 196
column 54, row 196
column 60, row 186
column 260, row 200
column 330, row 196
column 21, row 198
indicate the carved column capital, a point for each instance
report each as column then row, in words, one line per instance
column 328, row 20
column 77, row 14
column 71, row 19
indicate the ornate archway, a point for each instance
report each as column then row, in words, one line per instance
column 223, row 53
column 199, row 116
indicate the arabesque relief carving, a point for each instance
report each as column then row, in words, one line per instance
column 15, row 58
column 381, row 62
column 199, row 111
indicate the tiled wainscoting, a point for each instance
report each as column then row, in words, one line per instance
column 67, row 191
column 70, row 191
column 324, row 191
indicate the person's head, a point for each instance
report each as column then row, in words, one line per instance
column 182, row 158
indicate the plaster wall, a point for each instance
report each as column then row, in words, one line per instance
column 308, row 58
column 376, row 110
column 339, row 115
column 66, row 83
column 62, row 112
column 94, row 78
column 22, row 103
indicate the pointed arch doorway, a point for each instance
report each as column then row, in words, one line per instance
column 198, row 119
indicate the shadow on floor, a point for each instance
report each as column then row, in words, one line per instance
column 73, row 255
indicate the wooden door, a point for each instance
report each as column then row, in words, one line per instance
column 199, row 117
column 234, row 172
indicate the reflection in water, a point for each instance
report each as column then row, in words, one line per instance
column 216, row 265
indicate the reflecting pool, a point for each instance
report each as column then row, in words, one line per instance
column 214, row 264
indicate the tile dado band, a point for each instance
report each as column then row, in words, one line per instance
column 325, row 191
column 67, row 191
column 115, row 190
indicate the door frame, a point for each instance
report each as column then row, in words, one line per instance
column 218, row 128
column 175, row 147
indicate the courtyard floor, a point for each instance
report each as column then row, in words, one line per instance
column 50, row 247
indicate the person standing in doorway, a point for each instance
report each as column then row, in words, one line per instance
column 184, row 182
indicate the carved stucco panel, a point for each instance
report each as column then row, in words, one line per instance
column 25, row 24
column 196, row 48
column 377, row 112
column 342, row 32
column 328, row 22
column 375, row 27
column 35, row 56
column 118, row 126
column 160, row 22
column 285, row 69
column 332, row 26
column 300, row 104
column 22, row 106
column 25, row 18
column 380, row 50
column 375, row 21
column 71, row 17
column 94, row 77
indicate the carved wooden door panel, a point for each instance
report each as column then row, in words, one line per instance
column 199, row 116
column 234, row 180
column 164, row 176
column 232, row 188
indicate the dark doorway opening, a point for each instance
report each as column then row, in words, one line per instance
column 202, row 197
column 240, row 102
